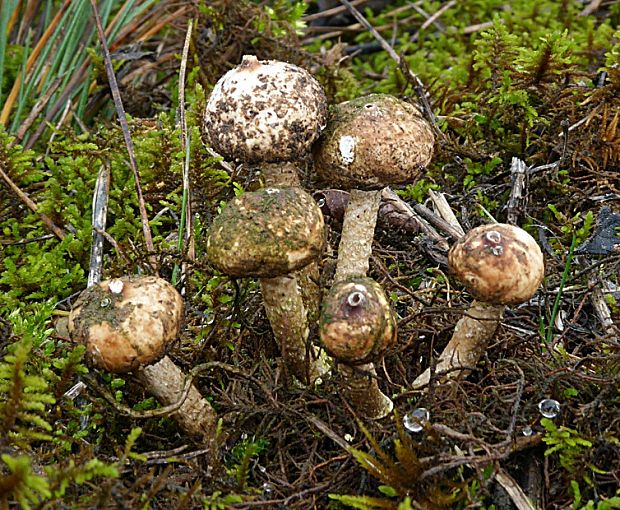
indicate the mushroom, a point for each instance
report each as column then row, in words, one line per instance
column 499, row 264
column 268, row 113
column 357, row 327
column 369, row 142
column 269, row 234
column 126, row 325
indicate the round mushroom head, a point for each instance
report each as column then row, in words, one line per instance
column 373, row 141
column 265, row 111
column 127, row 322
column 498, row 263
column 357, row 325
column 266, row 233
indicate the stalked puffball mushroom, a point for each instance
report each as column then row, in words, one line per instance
column 267, row 113
column 499, row 265
column 357, row 327
column 369, row 143
column 127, row 325
column 269, row 234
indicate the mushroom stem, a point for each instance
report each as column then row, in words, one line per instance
column 469, row 340
column 165, row 381
column 362, row 390
column 287, row 315
column 358, row 230
column 292, row 301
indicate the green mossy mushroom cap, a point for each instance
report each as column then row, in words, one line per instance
column 373, row 141
column 266, row 233
column 126, row 323
column 357, row 324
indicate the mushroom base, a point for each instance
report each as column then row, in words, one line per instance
column 362, row 391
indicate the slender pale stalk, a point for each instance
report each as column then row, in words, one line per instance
column 358, row 230
column 165, row 381
column 291, row 300
column 469, row 340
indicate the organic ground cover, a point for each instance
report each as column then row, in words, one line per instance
column 524, row 97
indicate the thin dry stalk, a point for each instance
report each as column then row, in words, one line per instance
column 118, row 103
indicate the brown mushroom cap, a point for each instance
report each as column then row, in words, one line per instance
column 265, row 111
column 126, row 322
column 357, row 325
column 373, row 141
column 266, row 233
column 498, row 263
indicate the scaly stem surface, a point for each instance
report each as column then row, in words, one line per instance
column 165, row 380
column 469, row 340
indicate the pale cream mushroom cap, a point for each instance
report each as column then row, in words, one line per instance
column 265, row 111
column 127, row 322
column 498, row 263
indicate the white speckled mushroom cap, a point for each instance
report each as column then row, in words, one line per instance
column 127, row 322
column 498, row 263
column 373, row 141
column 265, row 111
column 266, row 233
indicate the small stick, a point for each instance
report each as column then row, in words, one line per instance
column 118, row 103
column 57, row 231
column 100, row 211
column 603, row 312
column 445, row 211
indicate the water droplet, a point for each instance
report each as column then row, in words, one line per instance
column 527, row 431
column 414, row 421
column 267, row 487
column 549, row 408
column 105, row 302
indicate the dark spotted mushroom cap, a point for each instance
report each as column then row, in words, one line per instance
column 265, row 111
column 498, row 263
column 266, row 233
column 127, row 322
column 373, row 141
column 357, row 324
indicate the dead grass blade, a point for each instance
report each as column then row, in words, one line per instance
column 118, row 103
